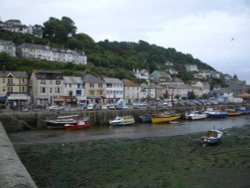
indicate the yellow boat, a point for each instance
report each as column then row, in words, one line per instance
column 165, row 117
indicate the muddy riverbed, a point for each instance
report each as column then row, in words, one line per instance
column 139, row 130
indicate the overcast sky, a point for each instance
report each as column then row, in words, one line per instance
column 215, row 31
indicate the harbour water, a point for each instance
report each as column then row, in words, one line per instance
column 138, row 130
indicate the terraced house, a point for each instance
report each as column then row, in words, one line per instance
column 45, row 52
column 95, row 88
column 14, row 89
column 47, row 88
column 8, row 47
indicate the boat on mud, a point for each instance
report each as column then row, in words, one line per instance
column 145, row 118
column 217, row 114
column 81, row 124
column 232, row 112
column 60, row 121
column 122, row 120
column 195, row 115
column 212, row 137
column 165, row 117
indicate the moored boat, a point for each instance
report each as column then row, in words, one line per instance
column 195, row 115
column 165, row 117
column 217, row 114
column 233, row 112
column 81, row 124
column 122, row 120
column 212, row 137
column 244, row 110
column 60, row 121
column 145, row 118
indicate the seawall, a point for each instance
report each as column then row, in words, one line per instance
column 12, row 171
column 37, row 120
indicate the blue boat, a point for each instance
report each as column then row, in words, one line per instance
column 244, row 110
column 145, row 118
column 213, row 137
column 217, row 114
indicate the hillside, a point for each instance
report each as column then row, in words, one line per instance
column 114, row 59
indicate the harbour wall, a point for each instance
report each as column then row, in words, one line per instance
column 12, row 171
column 37, row 120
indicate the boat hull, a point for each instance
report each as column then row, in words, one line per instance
column 77, row 127
column 121, row 123
column 213, row 137
column 145, row 118
column 217, row 115
column 165, row 119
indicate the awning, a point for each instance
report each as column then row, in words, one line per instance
column 14, row 96
column 93, row 97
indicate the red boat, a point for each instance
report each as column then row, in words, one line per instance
column 81, row 124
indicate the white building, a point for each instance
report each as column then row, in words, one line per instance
column 191, row 68
column 141, row 74
column 114, row 88
column 74, row 91
column 8, row 47
column 45, row 52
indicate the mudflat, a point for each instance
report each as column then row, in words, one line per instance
column 176, row 161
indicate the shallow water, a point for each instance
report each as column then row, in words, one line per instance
column 138, row 130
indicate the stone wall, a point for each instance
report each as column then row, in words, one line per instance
column 12, row 171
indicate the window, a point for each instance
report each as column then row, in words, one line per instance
column 43, row 90
column 100, row 85
column 50, row 90
column 58, row 82
column 3, row 80
column 10, row 81
column 91, row 85
column 3, row 89
column 10, row 89
column 91, row 92
column 43, row 82
column 58, row 90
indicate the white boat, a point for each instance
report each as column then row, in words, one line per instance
column 195, row 115
column 123, row 120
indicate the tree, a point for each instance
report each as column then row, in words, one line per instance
column 191, row 95
column 59, row 30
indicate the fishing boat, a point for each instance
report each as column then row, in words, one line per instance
column 122, row 120
column 244, row 110
column 212, row 137
column 145, row 118
column 217, row 114
column 233, row 112
column 165, row 117
column 194, row 115
column 81, row 124
column 60, row 121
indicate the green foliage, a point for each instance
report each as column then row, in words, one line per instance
column 216, row 81
column 57, row 30
column 117, row 59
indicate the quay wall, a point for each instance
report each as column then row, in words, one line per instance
column 12, row 171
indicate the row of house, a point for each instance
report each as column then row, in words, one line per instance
column 52, row 87
column 42, row 52
column 14, row 25
column 166, row 76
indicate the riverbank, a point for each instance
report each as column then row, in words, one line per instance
column 177, row 161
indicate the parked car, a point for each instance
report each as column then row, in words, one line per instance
column 112, row 107
column 90, row 106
